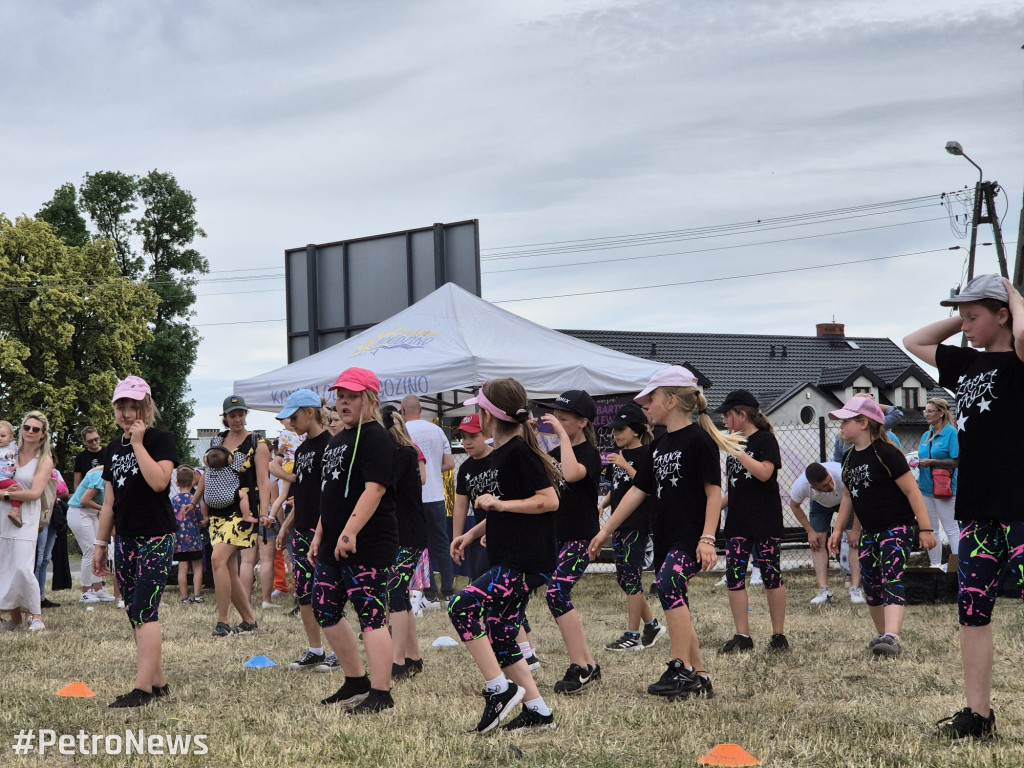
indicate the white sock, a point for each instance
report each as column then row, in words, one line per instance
column 526, row 650
column 317, row 651
column 538, row 706
column 498, row 684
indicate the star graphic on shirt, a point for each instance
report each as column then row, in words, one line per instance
column 335, row 474
column 961, row 423
column 674, row 481
column 655, row 454
column 853, row 492
column 135, row 470
column 867, row 483
column 961, row 379
column 732, row 482
column 615, row 485
column 983, row 405
column 747, row 475
column 121, row 482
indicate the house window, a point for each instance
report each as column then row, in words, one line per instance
column 910, row 397
column 807, row 414
column 862, row 390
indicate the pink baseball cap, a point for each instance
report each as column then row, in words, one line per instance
column 672, row 376
column 470, row 424
column 860, row 406
column 356, row 380
column 133, row 388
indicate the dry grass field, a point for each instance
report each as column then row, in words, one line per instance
column 826, row 703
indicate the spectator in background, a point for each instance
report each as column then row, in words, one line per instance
column 91, row 457
column 48, row 537
column 84, row 521
column 939, row 450
column 433, row 443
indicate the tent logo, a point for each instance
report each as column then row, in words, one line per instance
column 396, row 338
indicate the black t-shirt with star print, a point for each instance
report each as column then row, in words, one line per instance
column 675, row 472
column 755, row 508
column 475, row 478
column 577, row 504
column 139, row 511
column 621, row 482
column 989, row 390
column 308, row 481
column 870, row 476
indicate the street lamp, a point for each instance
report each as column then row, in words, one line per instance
column 954, row 148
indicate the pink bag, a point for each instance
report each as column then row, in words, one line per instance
column 421, row 576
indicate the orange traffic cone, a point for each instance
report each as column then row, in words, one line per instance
column 76, row 691
column 728, row 754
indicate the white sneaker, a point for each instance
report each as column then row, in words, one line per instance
column 120, row 603
column 277, row 593
column 856, row 596
column 824, row 596
column 103, row 595
column 755, row 578
column 721, row 582
column 416, row 602
column 89, row 596
column 429, row 605
column 36, row 625
column 269, row 606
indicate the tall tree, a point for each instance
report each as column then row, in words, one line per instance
column 70, row 326
column 62, row 214
column 156, row 248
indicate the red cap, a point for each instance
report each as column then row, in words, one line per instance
column 470, row 424
column 356, row 380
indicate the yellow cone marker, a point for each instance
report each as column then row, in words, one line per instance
column 728, row 754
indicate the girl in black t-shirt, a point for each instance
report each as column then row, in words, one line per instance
column 629, row 542
column 520, row 529
column 754, row 523
column 356, row 542
column 880, row 490
column 989, row 383
column 684, row 475
column 409, row 478
column 137, row 474
column 577, row 523
column 473, row 478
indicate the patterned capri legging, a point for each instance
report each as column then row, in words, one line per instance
column 572, row 562
column 883, row 558
column 986, row 547
column 366, row 586
column 767, row 556
column 302, row 569
column 630, row 548
column 674, row 578
column 399, row 578
column 141, row 566
column 492, row 606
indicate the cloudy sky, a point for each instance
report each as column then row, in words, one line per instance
column 547, row 121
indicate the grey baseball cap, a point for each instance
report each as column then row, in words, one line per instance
column 981, row 287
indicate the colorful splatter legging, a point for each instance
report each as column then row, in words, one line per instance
column 985, row 547
column 767, row 556
column 674, row 577
column 399, row 576
column 141, row 566
column 364, row 585
column 629, row 548
column 883, row 556
column 492, row 606
column 302, row 569
column 572, row 562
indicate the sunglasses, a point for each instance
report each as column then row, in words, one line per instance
column 30, row 428
column 93, row 440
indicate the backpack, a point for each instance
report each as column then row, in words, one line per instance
column 220, row 487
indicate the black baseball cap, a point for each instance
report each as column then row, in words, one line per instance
column 576, row 400
column 739, row 397
column 630, row 416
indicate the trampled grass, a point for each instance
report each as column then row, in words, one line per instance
column 826, row 703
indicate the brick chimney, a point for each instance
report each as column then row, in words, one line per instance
column 831, row 329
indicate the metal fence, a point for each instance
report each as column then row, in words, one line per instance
column 800, row 445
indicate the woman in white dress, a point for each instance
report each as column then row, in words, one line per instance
column 19, row 590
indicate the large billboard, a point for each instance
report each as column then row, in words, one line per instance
column 335, row 290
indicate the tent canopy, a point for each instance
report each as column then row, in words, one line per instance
column 452, row 340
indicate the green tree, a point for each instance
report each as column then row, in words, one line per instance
column 62, row 214
column 151, row 222
column 70, row 326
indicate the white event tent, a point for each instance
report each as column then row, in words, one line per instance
column 452, row 340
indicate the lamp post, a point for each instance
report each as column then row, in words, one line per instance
column 984, row 194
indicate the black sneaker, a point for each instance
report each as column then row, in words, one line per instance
column 576, row 679
column 531, row 718
column 161, row 691
column 532, row 662
column 245, row 628
column 499, row 707
column 887, row 645
column 595, row 673
column 415, row 665
column 375, row 702
column 47, row 603
column 401, row 672
column 630, row 641
column 308, row 660
column 678, row 682
column 738, row 643
column 778, row 643
column 653, row 633
column 352, row 692
column 966, row 725
column 136, row 698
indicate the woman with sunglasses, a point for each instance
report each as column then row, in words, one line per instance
column 19, row 590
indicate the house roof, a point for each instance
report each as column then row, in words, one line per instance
column 769, row 366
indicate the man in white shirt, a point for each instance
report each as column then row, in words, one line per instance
column 823, row 485
column 434, row 444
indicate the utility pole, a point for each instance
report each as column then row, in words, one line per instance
column 984, row 197
column 1018, row 264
